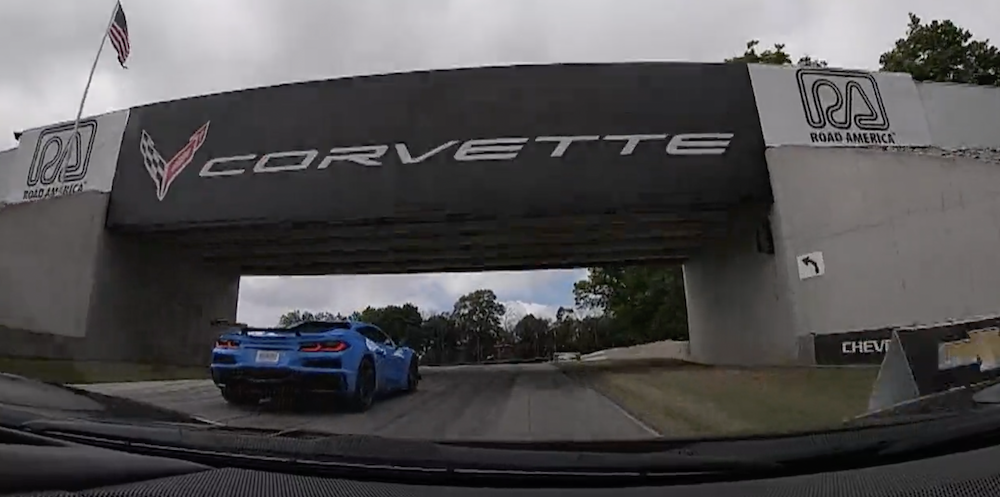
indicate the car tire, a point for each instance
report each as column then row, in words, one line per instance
column 365, row 385
column 238, row 397
column 412, row 377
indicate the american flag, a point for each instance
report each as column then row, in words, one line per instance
column 118, row 32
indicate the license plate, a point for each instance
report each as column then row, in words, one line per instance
column 267, row 356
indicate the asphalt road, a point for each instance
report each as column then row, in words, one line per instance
column 502, row 402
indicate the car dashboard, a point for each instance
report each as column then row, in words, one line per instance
column 28, row 468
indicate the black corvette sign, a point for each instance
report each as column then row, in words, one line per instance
column 480, row 142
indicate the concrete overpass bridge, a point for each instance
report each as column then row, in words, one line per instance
column 486, row 168
column 129, row 239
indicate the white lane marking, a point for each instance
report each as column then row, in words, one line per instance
column 619, row 408
column 629, row 415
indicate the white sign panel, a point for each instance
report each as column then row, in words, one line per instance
column 51, row 161
column 825, row 107
column 811, row 265
column 7, row 158
column 894, row 383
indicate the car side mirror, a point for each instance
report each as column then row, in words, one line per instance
column 402, row 342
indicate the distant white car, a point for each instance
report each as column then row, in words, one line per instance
column 567, row 356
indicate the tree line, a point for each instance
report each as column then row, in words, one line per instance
column 631, row 305
column 479, row 329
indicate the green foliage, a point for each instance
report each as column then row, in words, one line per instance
column 645, row 303
column 941, row 51
column 533, row 337
column 402, row 323
column 776, row 56
column 295, row 317
column 480, row 314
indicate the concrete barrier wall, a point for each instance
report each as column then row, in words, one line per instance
column 71, row 290
column 961, row 115
column 48, row 253
column 907, row 237
column 666, row 349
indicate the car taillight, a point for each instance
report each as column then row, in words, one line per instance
column 323, row 347
column 227, row 344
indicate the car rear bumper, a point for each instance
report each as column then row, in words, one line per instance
column 276, row 380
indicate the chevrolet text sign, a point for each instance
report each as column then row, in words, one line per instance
column 502, row 141
column 827, row 107
column 853, row 347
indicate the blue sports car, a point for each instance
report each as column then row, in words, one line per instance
column 350, row 359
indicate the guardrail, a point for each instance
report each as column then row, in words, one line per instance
column 601, row 355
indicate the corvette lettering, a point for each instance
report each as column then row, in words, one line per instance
column 491, row 149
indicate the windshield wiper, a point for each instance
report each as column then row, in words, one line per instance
column 268, row 432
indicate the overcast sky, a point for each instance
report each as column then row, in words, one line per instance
column 182, row 48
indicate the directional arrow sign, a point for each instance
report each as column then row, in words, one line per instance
column 811, row 265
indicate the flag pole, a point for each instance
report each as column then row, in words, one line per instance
column 93, row 68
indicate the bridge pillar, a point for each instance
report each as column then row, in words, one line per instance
column 739, row 308
column 71, row 290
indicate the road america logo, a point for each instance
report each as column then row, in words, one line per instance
column 60, row 161
column 163, row 172
column 843, row 107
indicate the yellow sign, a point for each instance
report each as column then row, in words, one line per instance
column 982, row 347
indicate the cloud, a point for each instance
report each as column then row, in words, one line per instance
column 182, row 48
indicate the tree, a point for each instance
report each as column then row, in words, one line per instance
column 941, row 51
column 775, row 56
column 531, row 337
column 442, row 339
column 399, row 322
column 292, row 318
column 479, row 316
column 645, row 303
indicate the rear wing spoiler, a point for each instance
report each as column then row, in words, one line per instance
column 246, row 330
column 225, row 323
column 314, row 326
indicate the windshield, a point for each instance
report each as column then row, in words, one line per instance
column 538, row 222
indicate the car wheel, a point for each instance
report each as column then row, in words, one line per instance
column 364, row 386
column 412, row 377
column 238, row 397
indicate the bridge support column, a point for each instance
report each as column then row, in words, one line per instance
column 739, row 308
column 155, row 305
column 71, row 290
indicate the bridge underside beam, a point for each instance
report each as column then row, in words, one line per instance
column 453, row 246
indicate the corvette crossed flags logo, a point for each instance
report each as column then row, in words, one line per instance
column 164, row 172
